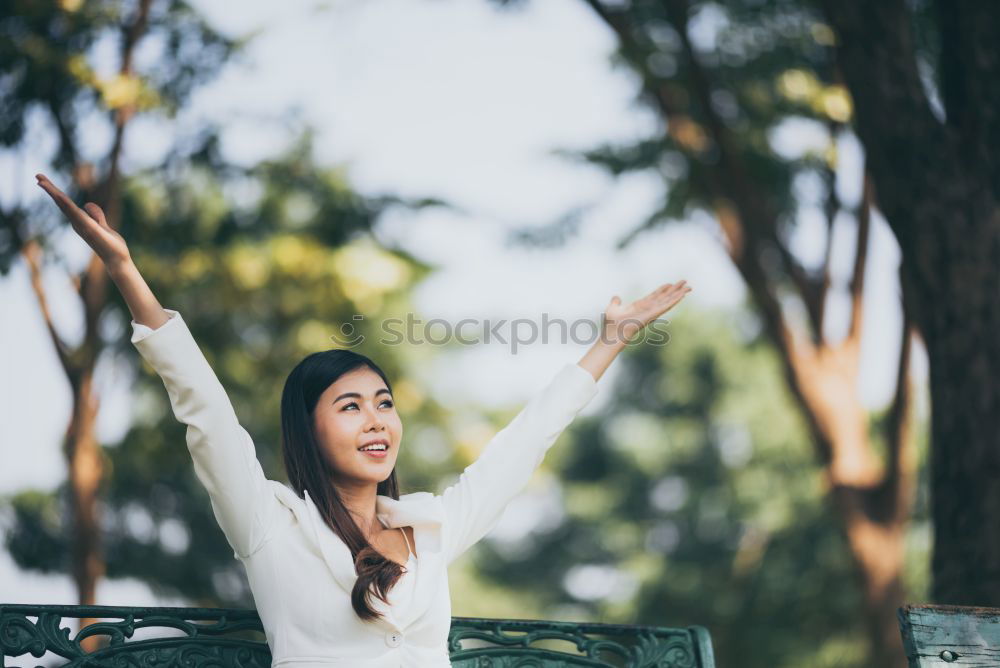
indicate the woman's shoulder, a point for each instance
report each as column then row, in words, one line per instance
column 285, row 494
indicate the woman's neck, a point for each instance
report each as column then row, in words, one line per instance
column 359, row 499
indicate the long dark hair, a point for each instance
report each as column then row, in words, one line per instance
column 307, row 470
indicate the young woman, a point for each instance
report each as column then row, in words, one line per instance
column 344, row 571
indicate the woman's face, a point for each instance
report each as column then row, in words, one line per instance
column 354, row 411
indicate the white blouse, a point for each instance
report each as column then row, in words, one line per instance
column 300, row 572
column 401, row 593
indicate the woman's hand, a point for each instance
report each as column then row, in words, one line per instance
column 91, row 225
column 111, row 248
column 622, row 322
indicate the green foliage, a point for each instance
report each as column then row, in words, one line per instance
column 261, row 283
column 693, row 497
column 45, row 63
column 696, row 489
column 36, row 532
column 50, row 70
column 265, row 263
column 753, row 552
column 761, row 63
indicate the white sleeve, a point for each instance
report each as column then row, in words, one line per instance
column 474, row 504
column 224, row 455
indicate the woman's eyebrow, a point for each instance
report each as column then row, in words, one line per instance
column 355, row 395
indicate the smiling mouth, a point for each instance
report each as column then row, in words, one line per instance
column 375, row 454
column 376, row 450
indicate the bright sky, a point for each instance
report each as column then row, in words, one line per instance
column 428, row 98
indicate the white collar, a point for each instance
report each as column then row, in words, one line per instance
column 421, row 510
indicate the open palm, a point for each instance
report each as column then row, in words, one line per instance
column 90, row 224
column 626, row 320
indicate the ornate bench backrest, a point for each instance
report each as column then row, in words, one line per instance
column 222, row 638
column 950, row 635
column 509, row 642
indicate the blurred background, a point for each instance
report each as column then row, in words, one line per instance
column 281, row 169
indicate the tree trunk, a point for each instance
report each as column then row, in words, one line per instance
column 872, row 500
column 84, row 457
column 938, row 185
column 963, row 332
column 878, row 550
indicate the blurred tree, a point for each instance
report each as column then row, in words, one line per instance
column 48, row 74
column 262, row 279
column 261, row 283
column 693, row 498
column 925, row 80
column 266, row 264
column 723, row 76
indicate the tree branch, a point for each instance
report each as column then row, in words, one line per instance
column 901, row 456
column 744, row 217
column 811, row 292
column 876, row 55
column 93, row 283
column 759, row 220
column 109, row 191
column 831, row 208
column 67, row 142
column 857, row 286
column 31, row 251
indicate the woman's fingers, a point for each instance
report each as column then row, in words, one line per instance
column 89, row 223
column 668, row 296
column 638, row 314
column 78, row 218
column 49, row 187
column 667, row 290
column 96, row 213
column 62, row 200
column 678, row 293
column 662, row 289
column 68, row 206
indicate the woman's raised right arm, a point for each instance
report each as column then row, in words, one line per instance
column 93, row 228
column 224, row 455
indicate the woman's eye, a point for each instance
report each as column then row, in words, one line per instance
column 386, row 402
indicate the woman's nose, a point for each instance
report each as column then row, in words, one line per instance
column 375, row 422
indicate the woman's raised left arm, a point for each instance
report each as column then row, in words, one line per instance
column 474, row 504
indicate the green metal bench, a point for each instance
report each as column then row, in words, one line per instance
column 221, row 638
column 950, row 635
